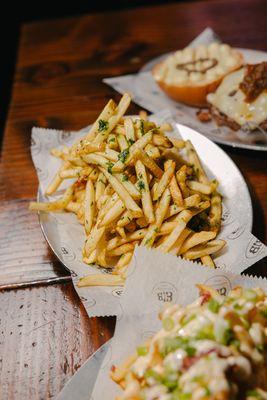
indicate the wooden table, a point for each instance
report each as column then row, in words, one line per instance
column 45, row 333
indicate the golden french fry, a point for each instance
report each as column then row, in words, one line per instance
column 176, row 192
column 204, row 249
column 112, row 141
column 129, row 186
column 164, row 181
column 100, row 186
column 123, row 261
column 113, row 213
column 160, row 140
column 125, row 219
column 184, row 218
column 195, row 161
column 93, row 240
column 148, row 162
column 57, row 180
column 123, row 194
column 166, row 127
column 207, row 260
column 160, row 213
column 109, row 154
column 195, row 239
column 178, row 143
column 89, row 206
column 142, row 184
column 181, row 177
column 199, row 187
column 124, row 248
column 121, row 231
column 215, row 214
column 101, row 280
column 152, row 151
column 105, row 129
column 127, row 156
column 122, row 141
column 129, row 130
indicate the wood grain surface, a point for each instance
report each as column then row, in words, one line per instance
column 45, row 332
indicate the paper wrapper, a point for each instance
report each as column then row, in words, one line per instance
column 147, row 94
column 68, row 237
column 173, row 281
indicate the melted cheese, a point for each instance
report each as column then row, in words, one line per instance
column 234, row 105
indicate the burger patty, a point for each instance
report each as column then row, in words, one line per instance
column 221, row 119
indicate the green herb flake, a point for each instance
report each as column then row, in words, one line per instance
column 112, row 140
column 142, row 127
column 123, row 155
column 213, row 306
column 102, row 125
column 124, row 178
column 141, row 185
column 130, row 142
column 253, row 393
column 110, row 166
column 142, row 350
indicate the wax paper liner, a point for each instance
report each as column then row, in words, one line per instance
column 173, row 281
column 147, row 94
column 242, row 250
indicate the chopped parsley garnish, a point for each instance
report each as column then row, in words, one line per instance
column 111, row 140
column 172, row 344
column 110, row 165
column 124, row 178
column 142, row 350
column 253, row 393
column 140, row 185
column 123, row 155
column 130, row 142
column 142, row 127
column 102, row 125
column 213, row 306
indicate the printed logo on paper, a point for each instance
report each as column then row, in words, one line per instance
column 220, row 283
column 226, row 217
column 88, row 301
column 67, row 252
column 43, row 174
column 165, row 292
column 236, row 233
column 254, row 247
column 35, row 145
column 117, row 292
column 64, row 137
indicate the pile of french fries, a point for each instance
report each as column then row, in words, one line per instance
column 134, row 185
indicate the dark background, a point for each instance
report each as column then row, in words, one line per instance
column 17, row 13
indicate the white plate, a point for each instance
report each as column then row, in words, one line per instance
column 216, row 162
column 147, row 88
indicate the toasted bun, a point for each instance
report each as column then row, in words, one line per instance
column 192, row 92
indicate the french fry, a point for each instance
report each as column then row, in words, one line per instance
column 195, row 239
column 160, row 140
column 112, row 141
column 152, row 151
column 57, row 180
column 126, row 217
column 164, row 181
column 129, row 130
column 195, row 161
column 184, row 218
column 113, row 213
column 176, row 192
column 89, row 206
column 142, row 184
column 123, row 261
column 122, row 141
column 123, row 194
column 160, row 213
column 101, row 280
column 124, row 248
column 148, row 162
column 181, row 177
column 113, row 120
column 204, row 250
column 93, row 239
column 199, row 187
column 215, row 214
column 207, row 260
column 100, row 186
column 129, row 186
